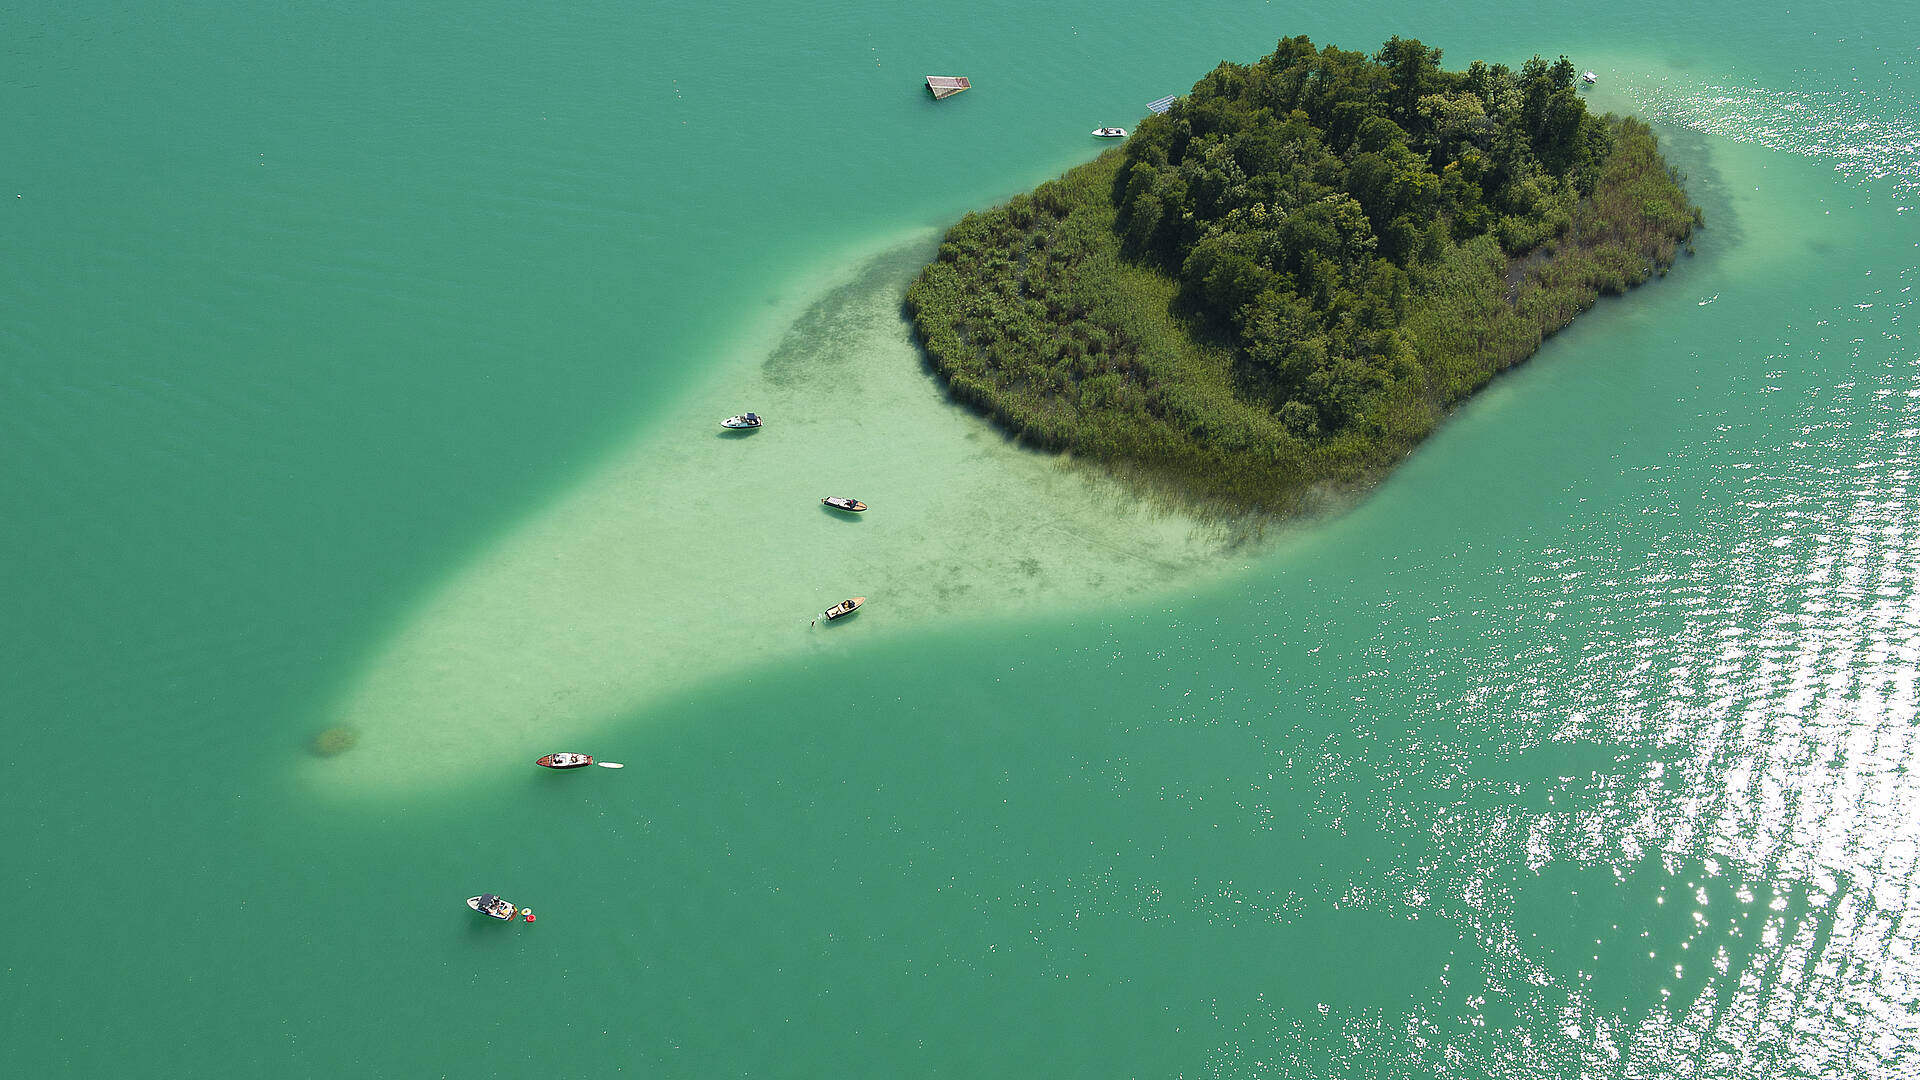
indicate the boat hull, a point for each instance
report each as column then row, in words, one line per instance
column 851, row 506
column 564, row 761
column 844, row 608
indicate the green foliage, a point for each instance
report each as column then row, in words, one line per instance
column 1287, row 279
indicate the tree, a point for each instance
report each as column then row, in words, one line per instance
column 1414, row 71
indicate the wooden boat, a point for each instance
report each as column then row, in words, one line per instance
column 1110, row 133
column 493, row 907
column 850, row 505
column 843, row 608
column 565, row 761
column 744, row 420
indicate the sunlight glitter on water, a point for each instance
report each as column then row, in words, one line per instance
column 1868, row 134
column 1788, row 703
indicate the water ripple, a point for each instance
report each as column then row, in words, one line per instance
column 1868, row 135
column 1786, row 817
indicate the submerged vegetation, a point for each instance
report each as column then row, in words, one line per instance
column 1286, row 282
column 332, row 742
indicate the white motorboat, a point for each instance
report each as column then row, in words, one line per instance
column 1589, row 78
column 493, row 907
column 743, row 421
column 843, row 609
column 851, row 505
column 1110, row 133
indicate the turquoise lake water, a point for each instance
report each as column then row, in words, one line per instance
column 360, row 368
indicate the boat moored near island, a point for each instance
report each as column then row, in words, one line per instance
column 843, row 609
column 1110, row 133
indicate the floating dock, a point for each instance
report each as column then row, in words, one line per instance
column 945, row 86
column 1162, row 105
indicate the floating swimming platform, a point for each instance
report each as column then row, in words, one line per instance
column 945, row 86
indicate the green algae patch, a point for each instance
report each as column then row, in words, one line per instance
column 1283, row 285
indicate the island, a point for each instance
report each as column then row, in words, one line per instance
column 1276, row 289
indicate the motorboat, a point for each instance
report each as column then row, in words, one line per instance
column 493, row 907
column 1110, row 133
column 850, row 505
column 744, row 420
column 843, row 608
column 1589, row 78
column 565, row 761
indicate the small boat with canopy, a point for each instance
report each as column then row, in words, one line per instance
column 493, row 907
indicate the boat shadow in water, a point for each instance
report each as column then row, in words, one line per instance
column 486, row 929
column 842, row 516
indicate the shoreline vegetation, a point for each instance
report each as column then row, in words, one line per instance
column 1275, row 291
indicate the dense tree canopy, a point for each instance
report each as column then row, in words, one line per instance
column 1288, row 278
column 1293, row 199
